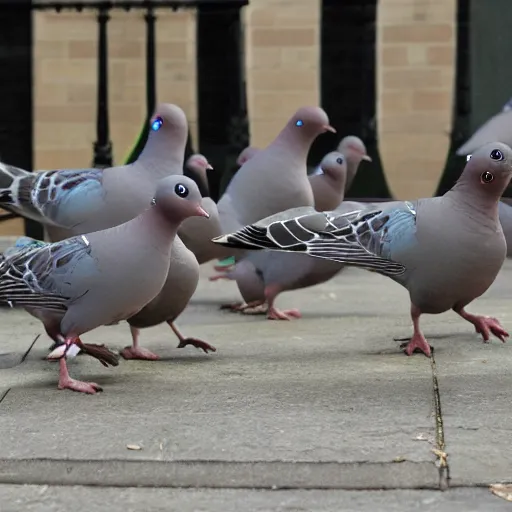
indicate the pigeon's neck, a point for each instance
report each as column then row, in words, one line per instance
column 162, row 156
column 294, row 144
column 158, row 229
column 352, row 166
column 477, row 203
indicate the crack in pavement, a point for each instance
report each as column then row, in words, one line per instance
column 25, row 355
column 221, row 474
column 4, row 394
column 440, row 449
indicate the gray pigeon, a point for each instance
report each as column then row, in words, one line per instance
column 267, row 274
column 497, row 128
column 446, row 251
column 86, row 281
column 275, row 178
column 198, row 165
column 85, row 200
column 262, row 276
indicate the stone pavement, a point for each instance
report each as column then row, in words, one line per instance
column 323, row 413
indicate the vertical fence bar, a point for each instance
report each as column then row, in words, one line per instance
column 348, row 86
column 461, row 101
column 103, row 145
column 223, row 126
column 16, row 89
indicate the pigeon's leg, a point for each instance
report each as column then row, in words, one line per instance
column 418, row 341
column 484, row 325
column 65, row 381
column 136, row 352
column 271, row 293
column 206, row 347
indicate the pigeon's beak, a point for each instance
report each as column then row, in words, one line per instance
column 329, row 128
column 201, row 212
column 209, row 167
column 368, row 158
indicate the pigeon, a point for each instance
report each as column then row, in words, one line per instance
column 329, row 187
column 351, row 146
column 76, row 201
column 179, row 286
column 268, row 274
column 274, row 179
column 198, row 166
column 264, row 275
column 355, row 151
column 497, row 128
column 446, row 251
column 86, row 281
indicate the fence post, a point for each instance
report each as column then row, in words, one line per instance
column 348, row 87
column 103, row 145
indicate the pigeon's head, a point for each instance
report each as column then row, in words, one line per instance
column 489, row 168
column 311, row 121
column 178, row 198
column 168, row 119
column 334, row 165
column 246, row 154
column 198, row 164
column 354, row 149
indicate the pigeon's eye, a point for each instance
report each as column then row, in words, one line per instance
column 153, row 201
column 496, row 154
column 339, row 160
column 299, row 122
column 181, row 190
column 157, row 124
column 487, row 177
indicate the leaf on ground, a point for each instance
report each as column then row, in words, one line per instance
column 502, row 490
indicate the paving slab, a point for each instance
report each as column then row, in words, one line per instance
column 331, row 389
column 17, row 334
column 475, row 381
column 83, row 499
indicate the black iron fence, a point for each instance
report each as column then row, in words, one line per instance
column 348, row 89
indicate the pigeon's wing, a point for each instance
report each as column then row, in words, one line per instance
column 62, row 198
column 369, row 239
column 46, row 276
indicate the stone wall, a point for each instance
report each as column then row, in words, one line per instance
column 416, row 55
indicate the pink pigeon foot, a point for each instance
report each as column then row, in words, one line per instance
column 66, row 382
column 205, row 347
column 417, row 342
column 287, row 314
column 486, row 325
column 142, row 354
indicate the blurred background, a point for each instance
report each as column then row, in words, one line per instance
column 412, row 78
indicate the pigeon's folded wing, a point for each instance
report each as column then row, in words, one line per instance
column 366, row 239
column 48, row 276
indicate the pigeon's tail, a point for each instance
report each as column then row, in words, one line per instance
column 11, row 186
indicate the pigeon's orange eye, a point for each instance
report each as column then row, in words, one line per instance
column 487, row 177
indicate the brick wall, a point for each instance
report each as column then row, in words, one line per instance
column 65, row 80
column 416, row 49
column 283, row 62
